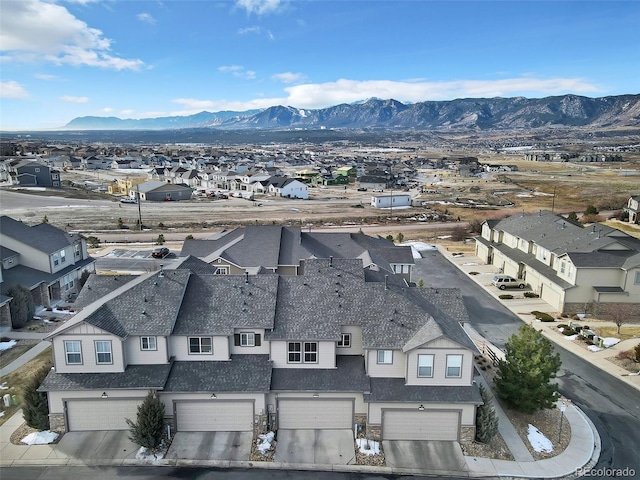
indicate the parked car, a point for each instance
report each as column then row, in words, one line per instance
column 128, row 200
column 505, row 281
column 160, row 252
column 362, row 189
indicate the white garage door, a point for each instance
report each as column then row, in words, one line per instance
column 427, row 425
column 315, row 413
column 214, row 416
column 101, row 414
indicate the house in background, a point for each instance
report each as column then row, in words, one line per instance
column 572, row 267
column 157, row 191
column 633, row 209
column 46, row 260
column 287, row 187
column 247, row 353
column 391, row 201
column 30, row 173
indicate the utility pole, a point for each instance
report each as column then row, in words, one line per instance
column 553, row 202
column 139, row 210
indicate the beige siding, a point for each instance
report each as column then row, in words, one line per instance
column 356, row 341
column 136, row 356
column 394, row 370
column 169, row 399
column 233, row 269
column 287, row 270
column 439, row 366
column 88, row 351
column 57, row 399
column 263, row 349
column 468, row 410
column 326, row 356
column 29, row 257
column 179, row 348
column 69, row 259
column 360, row 408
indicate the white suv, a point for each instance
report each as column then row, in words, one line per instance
column 505, row 281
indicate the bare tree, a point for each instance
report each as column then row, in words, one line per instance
column 621, row 313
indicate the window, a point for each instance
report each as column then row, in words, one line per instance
column 425, row 365
column 56, row 259
column 200, row 345
column 563, row 265
column 345, row 340
column 76, row 249
column 73, row 352
column 63, row 256
column 222, row 271
column 103, row 352
column 385, row 356
column 148, row 343
column 310, row 352
column 637, row 282
column 295, row 349
column 37, row 170
column 247, row 339
column 454, row 366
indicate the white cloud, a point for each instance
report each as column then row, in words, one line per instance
column 260, row 7
column 146, row 17
column 12, row 89
column 245, row 31
column 288, row 77
column 45, row 76
column 126, row 112
column 238, row 71
column 72, row 99
column 36, row 29
column 107, row 110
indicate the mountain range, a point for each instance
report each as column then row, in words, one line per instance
column 466, row 113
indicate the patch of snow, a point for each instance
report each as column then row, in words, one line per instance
column 40, row 438
column 7, row 345
column 443, row 237
column 264, row 442
column 144, row 453
column 33, row 189
column 571, row 337
column 609, row 341
column 470, row 263
column 594, row 348
column 368, row 447
column 417, row 247
column 4, row 386
column 64, row 312
column 581, row 316
column 538, row 441
column 561, row 329
column 1, row 414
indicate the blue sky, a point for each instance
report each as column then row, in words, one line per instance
column 135, row 59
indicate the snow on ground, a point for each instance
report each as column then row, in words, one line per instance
column 538, row 441
column 368, row 447
column 609, row 341
column 571, row 337
column 594, row 348
column 40, row 438
column 470, row 264
column 143, row 453
column 63, row 312
column 34, row 189
column 7, row 345
column 417, row 247
column 4, row 386
column 1, row 414
column 264, row 442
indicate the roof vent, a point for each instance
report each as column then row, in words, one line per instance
column 386, row 282
column 246, row 277
column 161, row 270
column 144, row 312
column 331, row 261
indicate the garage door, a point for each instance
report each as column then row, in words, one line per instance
column 315, row 413
column 427, row 425
column 214, row 416
column 101, row 414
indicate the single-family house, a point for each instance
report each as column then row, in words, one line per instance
column 572, row 267
column 31, row 173
column 288, row 188
column 156, row 191
column 633, row 209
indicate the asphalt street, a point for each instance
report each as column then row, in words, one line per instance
column 612, row 405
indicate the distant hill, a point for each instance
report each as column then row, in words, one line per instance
column 466, row 113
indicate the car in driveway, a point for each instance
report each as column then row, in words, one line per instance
column 505, row 281
column 160, row 252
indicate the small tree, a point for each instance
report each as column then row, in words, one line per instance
column 400, row 237
column 160, row 240
column 120, row 223
column 83, row 278
column 421, row 283
column 621, row 313
column 636, row 353
column 458, row 234
column 573, row 218
column 591, row 210
column 523, row 380
column 93, row 242
column 389, row 237
column 45, row 219
column 486, row 419
column 189, row 237
column 22, row 307
column 475, row 226
column 148, row 428
column 35, row 407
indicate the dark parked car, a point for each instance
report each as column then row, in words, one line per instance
column 160, row 252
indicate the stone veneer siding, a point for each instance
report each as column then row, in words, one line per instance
column 57, row 423
column 467, row 434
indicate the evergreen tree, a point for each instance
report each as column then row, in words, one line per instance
column 400, row 237
column 523, row 380
column 148, row 428
column 22, row 307
column 160, row 240
column 573, row 217
column 84, row 276
column 35, row 407
column 486, row 419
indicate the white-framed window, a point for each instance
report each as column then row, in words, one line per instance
column 56, row 259
column 200, row 345
column 385, row 356
column 310, row 352
column 294, row 350
column 77, row 249
column 222, row 270
column 425, row 365
column 345, row 340
column 247, row 339
column 148, row 343
column 103, row 352
column 637, row 281
column 37, row 170
column 73, row 352
column 63, row 256
column 68, row 281
column 454, row 366
column 563, row 266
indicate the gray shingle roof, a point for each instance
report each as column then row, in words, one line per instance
column 30, row 277
column 98, row 286
column 395, row 390
column 243, row 373
column 348, row 376
column 216, row 304
column 195, row 265
column 43, row 237
column 143, row 377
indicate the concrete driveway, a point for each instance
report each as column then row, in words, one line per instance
column 424, row 455
column 97, row 445
column 234, row 446
column 334, row 447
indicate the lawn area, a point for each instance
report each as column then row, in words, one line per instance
column 626, row 331
column 14, row 382
column 14, row 352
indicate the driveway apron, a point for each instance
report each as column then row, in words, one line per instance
column 424, row 455
column 233, row 446
column 333, row 447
